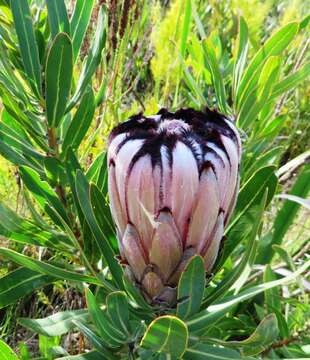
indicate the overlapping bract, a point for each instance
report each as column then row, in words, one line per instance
column 173, row 182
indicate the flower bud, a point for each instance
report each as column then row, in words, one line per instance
column 173, row 182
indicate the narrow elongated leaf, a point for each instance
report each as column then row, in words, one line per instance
column 273, row 46
column 27, row 232
column 111, row 336
column 54, row 171
column 22, row 117
column 285, row 256
column 209, row 352
column 264, row 335
column 286, row 215
column 8, row 77
column 45, row 268
column 118, row 310
column 244, row 266
column 92, row 61
column 255, row 160
column 27, row 42
column 72, row 165
column 255, row 100
column 290, row 82
column 59, row 68
column 79, row 23
column 97, row 342
column 83, row 193
column 92, row 173
column 10, row 137
column 186, row 27
column 216, row 76
column 58, row 17
column 92, row 355
column 14, row 156
column 102, row 213
column 253, row 190
column 272, row 296
column 166, row 334
column 81, row 122
column 6, row 352
column 44, row 194
column 193, row 86
column 215, row 312
column 241, row 55
column 56, row 324
column 191, row 288
column 20, row 283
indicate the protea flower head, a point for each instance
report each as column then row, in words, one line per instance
column 173, row 181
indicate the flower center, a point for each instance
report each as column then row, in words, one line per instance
column 174, row 126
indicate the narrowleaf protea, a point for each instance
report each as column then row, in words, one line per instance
column 173, row 181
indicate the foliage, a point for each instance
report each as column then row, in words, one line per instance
column 64, row 82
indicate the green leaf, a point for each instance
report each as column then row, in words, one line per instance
column 166, row 334
column 56, row 324
column 118, row 310
column 10, row 137
column 83, row 192
column 81, row 122
column 216, row 76
column 48, row 269
column 191, row 288
column 102, row 213
column 256, row 99
column 112, row 337
column 272, row 296
column 264, row 335
column 72, row 165
column 186, row 27
column 208, row 352
column 27, row 120
column 256, row 160
column 54, row 171
column 242, row 270
column 215, row 312
column 44, row 194
column 97, row 342
column 9, row 78
column 284, row 256
column 6, row 352
column 20, row 283
column 94, row 170
column 79, row 23
column 92, row 355
column 58, row 17
column 58, row 72
column 290, row 82
column 286, row 215
column 15, row 157
column 252, row 191
column 241, row 55
column 92, row 61
column 27, row 42
column 274, row 46
column 193, row 86
column 26, row 232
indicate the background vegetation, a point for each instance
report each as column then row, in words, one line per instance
column 141, row 56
